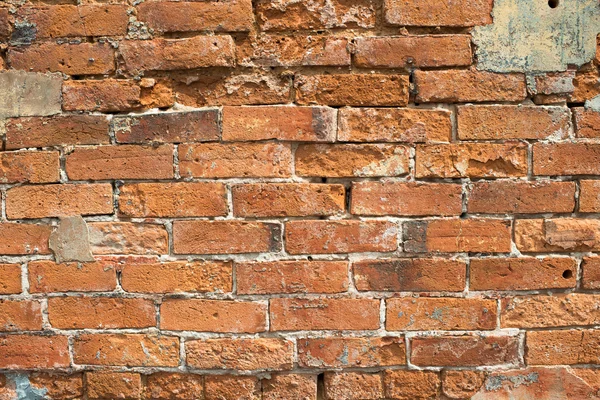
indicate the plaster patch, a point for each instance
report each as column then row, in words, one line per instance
column 593, row 104
column 24, row 94
column 71, row 242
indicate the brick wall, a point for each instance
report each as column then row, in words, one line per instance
column 301, row 199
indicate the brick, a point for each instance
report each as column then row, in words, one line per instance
column 464, row 86
column 402, row 198
column 586, row 85
column 292, row 277
column 300, row 15
column 413, row 51
column 323, row 314
column 522, row 273
column 174, row 386
column 108, row 95
column 45, row 276
column 587, row 123
column 464, row 351
column 512, row 122
column 566, row 159
column 32, row 352
column 6, row 28
column 325, row 237
column 130, row 350
column 556, row 235
column 177, row 276
column 590, row 273
column 222, row 16
column 288, row 200
column 127, row 238
column 462, row 384
column 589, row 196
column 472, row 160
column 541, row 311
column 60, row 130
column 219, row 387
column 349, row 160
column 351, row 352
column 42, row 201
column 171, row 54
column 213, row 316
column 22, row 239
column 240, row 354
column 169, row 127
column 290, row 386
column 20, row 315
column 445, row 13
column 410, row 274
column 113, row 385
column 353, row 386
column 521, row 197
column 352, row 90
column 177, row 199
column 29, row 167
column 100, row 313
column 58, row 386
column 70, row 59
column 10, row 278
column 562, row 347
column 402, row 384
column 394, row 125
column 458, row 235
column 303, row 124
column 242, row 160
column 428, row 314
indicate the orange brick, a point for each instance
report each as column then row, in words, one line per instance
column 353, row 386
column 10, row 278
column 219, row 387
column 351, row 352
column 323, row 237
column 113, row 385
column 327, row 314
column 213, row 316
column 24, row 239
column 225, row 237
column 32, row 167
column 174, row 386
column 459, row 384
column 292, row 277
column 58, row 385
column 587, row 123
column 444, row 13
column 287, row 200
column 290, row 386
column 47, row 277
column 104, row 96
column 589, row 196
column 556, row 235
column 127, row 238
column 562, row 347
column 410, row 274
column 177, row 199
column 5, row 25
column 33, row 352
column 403, row 384
column 20, row 315
column 566, row 159
column 591, row 273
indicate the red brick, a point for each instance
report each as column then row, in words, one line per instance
column 351, row 352
column 521, row 197
column 468, row 86
column 70, row 59
column 290, row 386
column 22, row 239
column 472, row 160
column 402, row 384
column 173, row 16
column 177, row 276
column 292, row 277
column 100, row 313
column 113, row 385
column 590, row 273
column 177, row 199
column 130, row 350
column 556, row 235
column 288, row 200
column 429, row 314
column 32, row 167
column 444, row 13
column 589, row 196
column 323, row 237
column 174, row 386
column 108, row 95
column 47, row 277
column 170, row 127
column 42, row 201
column 413, row 51
column 464, row 351
column 352, row 90
column 235, row 160
column 303, row 124
column 57, row 385
column 61, row 130
column 458, row 235
column 5, row 26
column 522, row 273
column 353, row 386
column 170, row 54
column 213, row 316
column 10, row 278
column 562, row 347
column 127, row 238
column 20, row 315
column 349, row 160
column 225, row 237
column 323, row 314
column 222, row 387
column 240, row 354
column 587, row 123
column 33, row 352
column 402, row 198
column 410, row 274
column 394, row 125
column 566, row 159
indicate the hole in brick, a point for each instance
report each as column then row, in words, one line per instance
column 553, row 3
column 567, row 274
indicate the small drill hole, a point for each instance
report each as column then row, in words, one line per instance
column 567, row 274
column 553, row 3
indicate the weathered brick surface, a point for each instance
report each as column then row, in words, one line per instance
column 10, row 278
column 48, row 277
column 32, row 167
column 351, row 352
column 446, row 13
